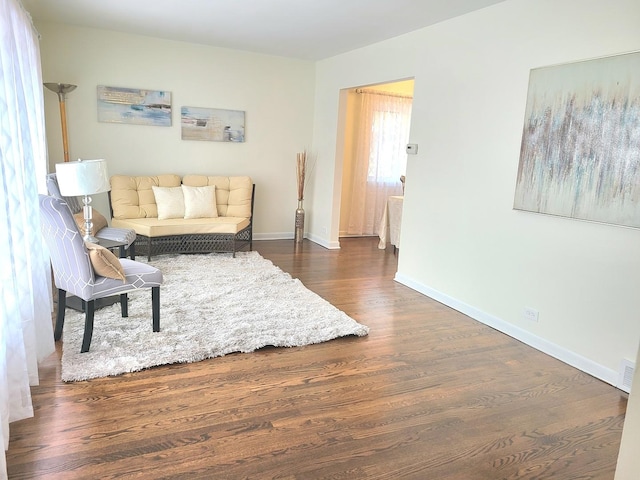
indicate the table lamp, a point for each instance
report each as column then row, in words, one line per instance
column 84, row 178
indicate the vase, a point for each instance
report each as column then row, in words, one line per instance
column 299, row 232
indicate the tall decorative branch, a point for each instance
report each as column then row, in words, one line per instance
column 301, row 171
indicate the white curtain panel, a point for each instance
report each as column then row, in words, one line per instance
column 380, row 157
column 26, row 333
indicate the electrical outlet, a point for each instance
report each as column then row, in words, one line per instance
column 530, row 314
column 625, row 375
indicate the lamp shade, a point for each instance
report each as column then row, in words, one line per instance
column 84, row 177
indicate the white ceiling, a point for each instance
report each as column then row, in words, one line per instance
column 304, row 29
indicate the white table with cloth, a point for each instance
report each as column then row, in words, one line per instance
column 391, row 222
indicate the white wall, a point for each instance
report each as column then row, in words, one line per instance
column 276, row 94
column 462, row 242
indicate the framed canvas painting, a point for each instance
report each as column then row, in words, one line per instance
column 212, row 124
column 580, row 150
column 133, row 105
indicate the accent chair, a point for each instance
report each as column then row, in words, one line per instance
column 89, row 271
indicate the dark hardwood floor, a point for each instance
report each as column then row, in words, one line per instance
column 428, row 394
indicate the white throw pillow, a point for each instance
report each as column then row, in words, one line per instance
column 170, row 202
column 200, row 202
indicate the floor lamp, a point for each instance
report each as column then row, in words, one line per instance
column 62, row 89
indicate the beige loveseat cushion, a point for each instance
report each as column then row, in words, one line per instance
column 233, row 194
column 152, row 227
column 132, row 197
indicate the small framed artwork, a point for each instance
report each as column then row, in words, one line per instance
column 212, row 124
column 133, row 105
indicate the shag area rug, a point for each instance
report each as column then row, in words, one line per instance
column 210, row 305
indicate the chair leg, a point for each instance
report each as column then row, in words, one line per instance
column 62, row 305
column 155, row 306
column 88, row 325
column 132, row 251
column 124, row 305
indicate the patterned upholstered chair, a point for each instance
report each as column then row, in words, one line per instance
column 121, row 235
column 74, row 271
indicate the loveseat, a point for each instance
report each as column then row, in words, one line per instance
column 192, row 214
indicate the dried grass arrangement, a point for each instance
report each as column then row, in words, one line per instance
column 301, row 171
column 301, row 176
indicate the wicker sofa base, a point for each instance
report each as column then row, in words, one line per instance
column 195, row 243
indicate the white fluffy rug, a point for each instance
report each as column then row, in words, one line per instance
column 210, row 305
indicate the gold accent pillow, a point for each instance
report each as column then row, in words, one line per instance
column 97, row 219
column 105, row 263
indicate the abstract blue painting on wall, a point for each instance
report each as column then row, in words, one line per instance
column 212, row 124
column 133, row 105
column 580, row 151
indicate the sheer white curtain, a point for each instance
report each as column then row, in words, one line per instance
column 380, row 157
column 26, row 333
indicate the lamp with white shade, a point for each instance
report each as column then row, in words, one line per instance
column 84, row 178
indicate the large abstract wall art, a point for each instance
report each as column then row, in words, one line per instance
column 580, row 152
column 133, row 105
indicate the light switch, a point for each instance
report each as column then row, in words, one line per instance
column 412, row 149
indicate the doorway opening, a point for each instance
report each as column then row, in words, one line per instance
column 376, row 133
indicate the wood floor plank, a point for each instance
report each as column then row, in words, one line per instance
column 428, row 394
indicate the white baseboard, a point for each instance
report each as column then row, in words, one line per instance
column 567, row 356
column 323, row 242
column 289, row 236
column 273, row 236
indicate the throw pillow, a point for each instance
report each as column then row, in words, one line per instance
column 170, row 202
column 105, row 263
column 200, row 202
column 97, row 219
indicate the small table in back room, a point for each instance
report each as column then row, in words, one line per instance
column 391, row 222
